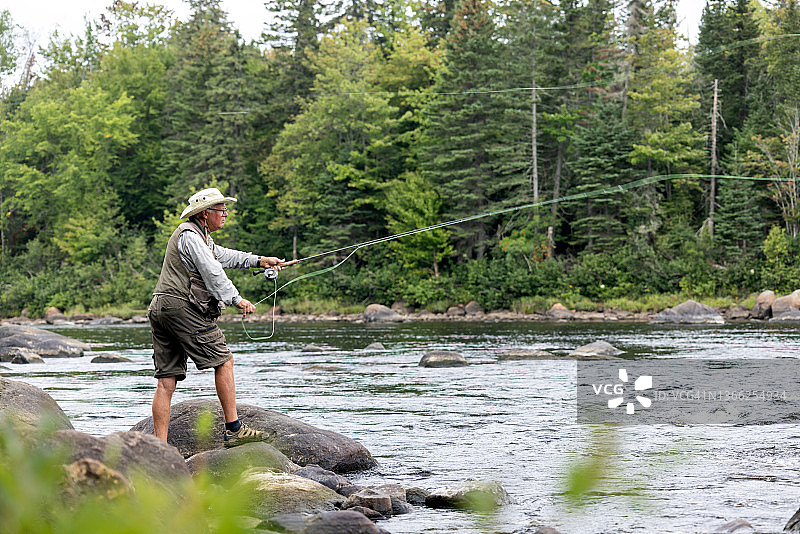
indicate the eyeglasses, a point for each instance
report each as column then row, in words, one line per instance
column 223, row 210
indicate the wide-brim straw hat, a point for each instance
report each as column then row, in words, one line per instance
column 205, row 199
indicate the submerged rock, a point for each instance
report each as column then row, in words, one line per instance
column 43, row 342
column 442, row 358
column 300, row 442
column 689, row 312
column 30, row 408
column 472, row 495
column 739, row 526
column 376, row 313
column 526, row 354
column 375, row 346
column 417, row 496
column 110, row 358
column 311, row 348
column 597, row 349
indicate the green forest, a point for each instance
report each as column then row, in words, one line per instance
column 350, row 120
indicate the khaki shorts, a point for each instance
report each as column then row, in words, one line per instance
column 181, row 332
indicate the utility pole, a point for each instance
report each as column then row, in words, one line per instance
column 712, row 199
column 534, row 155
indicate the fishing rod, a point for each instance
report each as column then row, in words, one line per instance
column 272, row 274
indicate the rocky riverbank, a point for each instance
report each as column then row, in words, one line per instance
column 767, row 307
column 293, row 481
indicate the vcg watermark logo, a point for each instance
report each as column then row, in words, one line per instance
column 617, row 392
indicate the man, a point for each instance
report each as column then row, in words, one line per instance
column 186, row 304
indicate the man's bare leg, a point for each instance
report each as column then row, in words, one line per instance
column 161, row 405
column 226, row 390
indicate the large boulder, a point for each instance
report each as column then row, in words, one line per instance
column 442, row 358
column 786, row 305
column 597, row 349
column 792, row 315
column 738, row 313
column 377, row 313
column 43, row 342
column 473, row 308
column 90, row 477
column 141, row 458
column 53, row 316
column 762, row 309
column 301, row 442
column 689, row 312
column 225, row 466
column 559, row 312
column 273, row 493
column 29, row 408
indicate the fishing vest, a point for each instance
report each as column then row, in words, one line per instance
column 177, row 280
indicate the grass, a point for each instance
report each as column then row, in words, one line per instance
column 644, row 303
column 318, row 307
column 124, row 311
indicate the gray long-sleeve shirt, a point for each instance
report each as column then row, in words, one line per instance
column 199, row 257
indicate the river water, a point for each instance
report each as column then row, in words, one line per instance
column 513, row 422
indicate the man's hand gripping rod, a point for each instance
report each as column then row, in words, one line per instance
column 271, row 273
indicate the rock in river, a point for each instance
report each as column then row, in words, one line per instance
column 28, row 407
column 785, row 304
column 471, row 495
column 376, row 313
column 689, row 312
column 762, row 309
column 43, row 342
column 442, row 358
column 280, row 493
column 301, row 442
column 598, row 349
column 526, row 354
column 225, row 466
column 110, row 358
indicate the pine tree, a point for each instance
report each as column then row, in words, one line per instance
column 465, row 126
column 436, row 18
column 328, row 167
column 210, row 105
column 783, row 54
column 602, row 147
column 726, row 52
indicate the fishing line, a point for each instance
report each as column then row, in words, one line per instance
column 566, row 198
